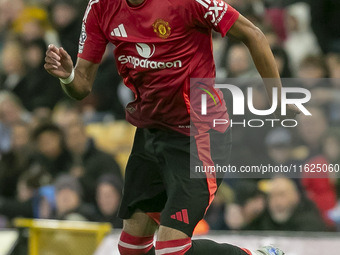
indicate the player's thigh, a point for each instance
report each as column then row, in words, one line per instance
column 189, row 195
column 140, row 224
column 143, row 187
column 187, row 203
column 187, row 198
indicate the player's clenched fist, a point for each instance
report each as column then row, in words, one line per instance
column 58, row 62
column 291, row 112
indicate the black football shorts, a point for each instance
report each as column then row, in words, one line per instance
column 158, row 179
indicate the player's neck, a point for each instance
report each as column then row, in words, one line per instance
column 135, row 2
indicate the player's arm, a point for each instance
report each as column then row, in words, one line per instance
column 262, row 56
column 59, row 64
column 258, row 46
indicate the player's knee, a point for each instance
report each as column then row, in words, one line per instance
column 135, row 245
column 140, row 224
column 172, row 241
column 167, row 233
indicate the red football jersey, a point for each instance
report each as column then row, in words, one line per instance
column 160, row 46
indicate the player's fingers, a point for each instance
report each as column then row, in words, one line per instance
column 64, row 53
column 52, row 61
column 293, row 111
column 50, row 67
column 296, row 110
column 53, row 48
column 52, row 55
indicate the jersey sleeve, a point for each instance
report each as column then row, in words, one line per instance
column 214, row 14
column 92, row 41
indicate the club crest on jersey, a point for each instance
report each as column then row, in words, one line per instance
column 162, row 28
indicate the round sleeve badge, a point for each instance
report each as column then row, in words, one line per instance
column 82, row 38
column 162, row 28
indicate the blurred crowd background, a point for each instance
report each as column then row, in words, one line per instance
column 62, row 159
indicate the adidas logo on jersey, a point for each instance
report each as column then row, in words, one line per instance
column 119, row 31
column 181, row 216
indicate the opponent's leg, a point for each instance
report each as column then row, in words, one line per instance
column 137, row 235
